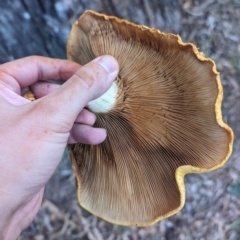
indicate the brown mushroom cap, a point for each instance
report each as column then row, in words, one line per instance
column 165, row 122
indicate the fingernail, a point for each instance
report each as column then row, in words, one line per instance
column 108, row 63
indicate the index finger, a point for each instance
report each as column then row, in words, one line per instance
column 29, row 70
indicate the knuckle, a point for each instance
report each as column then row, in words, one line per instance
column 90, row 75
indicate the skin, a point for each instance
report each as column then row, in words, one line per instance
column 34, row 134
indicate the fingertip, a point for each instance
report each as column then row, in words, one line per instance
column 87, row 135
column 109, row 63
column 41, row 89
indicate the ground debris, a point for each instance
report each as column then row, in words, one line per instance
column 212, row 209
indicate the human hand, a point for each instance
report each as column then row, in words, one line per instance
column 34, row 134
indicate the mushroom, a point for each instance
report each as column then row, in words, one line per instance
column 163, row 118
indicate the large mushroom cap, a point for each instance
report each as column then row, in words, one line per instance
column 163, row 118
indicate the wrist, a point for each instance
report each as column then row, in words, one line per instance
column 15, row 217
column 9, row 229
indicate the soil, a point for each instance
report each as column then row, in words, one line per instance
column 212, row 209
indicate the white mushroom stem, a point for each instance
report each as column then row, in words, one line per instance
column 106, row 102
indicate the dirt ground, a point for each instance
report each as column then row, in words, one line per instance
column 212, row 209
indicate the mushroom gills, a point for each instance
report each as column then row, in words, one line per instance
column 163, row 118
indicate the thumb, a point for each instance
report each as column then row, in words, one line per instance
column 88, row 83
